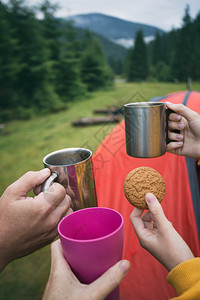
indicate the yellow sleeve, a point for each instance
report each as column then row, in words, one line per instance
column 185, row 278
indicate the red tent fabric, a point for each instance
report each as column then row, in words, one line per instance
column 146, row 279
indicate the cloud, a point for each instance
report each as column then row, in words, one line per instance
column 160, row 13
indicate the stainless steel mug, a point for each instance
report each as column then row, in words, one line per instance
column 73, row 168
column 145, row 127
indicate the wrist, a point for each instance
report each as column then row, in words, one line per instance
column 194, row 152
column 178, row 261
column 3, row 261
column 197, row 156
column 176, row 251
column 179, row 255
column 4, row 253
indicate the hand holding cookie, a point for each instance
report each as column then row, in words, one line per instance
column 158, row 236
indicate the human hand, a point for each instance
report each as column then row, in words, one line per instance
column 158, row 236
column 27, row 223
column 186, row 143
column 63, row 284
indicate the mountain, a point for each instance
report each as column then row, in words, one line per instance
column 115, row 29
column 115, row 54
column 111, row 49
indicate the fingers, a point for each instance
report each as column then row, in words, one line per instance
column 182, row 110
column 175, row 136
column 70, row 211
column 28, row 181
column 176, row 125
column 63, row 208
column 175, row 117
column 156, row 210
column 37, row 190
column 137, row 221
column 100, row 288
column 60, row 267
column 147, row 218
column 173, row 147
column 57, row 257
column 176, row 122
column 54, row 195
column 105, row 284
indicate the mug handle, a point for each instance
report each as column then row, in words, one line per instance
column 46, row 184
column 168, row 112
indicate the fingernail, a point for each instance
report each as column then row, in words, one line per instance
column 178, row 117
column 179, row 136
column 45, row 171
column 180, row 125
column 169, row 103
column 124, row 266
column 150, row 198
column 179, row 143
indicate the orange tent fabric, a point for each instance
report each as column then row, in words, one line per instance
column 146, row 279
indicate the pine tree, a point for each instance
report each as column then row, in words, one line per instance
column 137, row 61
column 32, row 85
column 195, row 58
column 51, row 29
column 9, row 65
column 69, row 85
column 182, row 67
column 157, row 54
column 95, row 72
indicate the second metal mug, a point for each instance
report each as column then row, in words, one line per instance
column 73, row 169
column 145, row 127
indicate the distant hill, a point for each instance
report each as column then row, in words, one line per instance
column 112, row 28
column 113, row 52
column 111, row 49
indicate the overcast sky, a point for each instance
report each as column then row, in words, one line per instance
column 164, row 14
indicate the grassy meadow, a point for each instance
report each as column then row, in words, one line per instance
column 23, row 144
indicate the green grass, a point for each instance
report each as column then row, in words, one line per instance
column 23, row 144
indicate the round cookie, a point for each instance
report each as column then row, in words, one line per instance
column 141, row 181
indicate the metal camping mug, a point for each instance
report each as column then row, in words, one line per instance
column 146, row 127
column 73, row 169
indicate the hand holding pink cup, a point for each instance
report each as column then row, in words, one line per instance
column 92, row 241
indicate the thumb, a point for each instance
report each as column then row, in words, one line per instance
column 110, row 280
column 28, row 181
column 57, row 257
column 182, row 110
column 156, row 210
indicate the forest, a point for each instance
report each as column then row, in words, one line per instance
column 171, row 57
column 45, row 63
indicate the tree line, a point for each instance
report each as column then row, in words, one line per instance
column 172, row 56
column 43, row 63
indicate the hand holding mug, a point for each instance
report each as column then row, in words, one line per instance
column 27, row 223
column 188, row 122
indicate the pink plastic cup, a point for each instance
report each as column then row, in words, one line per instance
column 92, row 241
